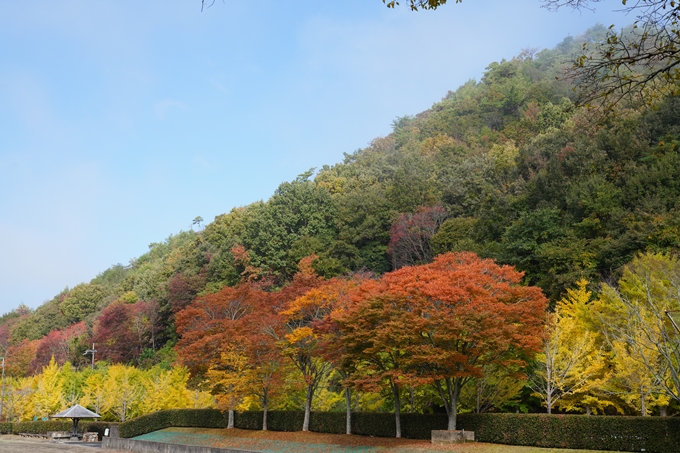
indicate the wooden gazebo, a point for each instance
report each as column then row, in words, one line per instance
column 76, row 413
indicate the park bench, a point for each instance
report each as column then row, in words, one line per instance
column 33, row 435
column 59, row 435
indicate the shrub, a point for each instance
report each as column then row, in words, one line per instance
column 42, row 426
column 651, row 434
column 413, row 426
column 276, row 420
column 378, row 424
column 327, row 422
column 45, row 426
column 248, row 420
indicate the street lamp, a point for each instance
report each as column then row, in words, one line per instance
column 91, row 351
column 2, row 398
column 674, row 316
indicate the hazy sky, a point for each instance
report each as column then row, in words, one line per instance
column 121, row 121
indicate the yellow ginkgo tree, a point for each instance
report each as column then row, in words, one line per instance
column 644, row 341
column 572, row 361
column 165, row 389
column 95, row 393
column 633, row 382
column 47, row 397
column 17, row 403
column 124, row 390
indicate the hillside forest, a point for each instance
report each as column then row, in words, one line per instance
column 504, row 250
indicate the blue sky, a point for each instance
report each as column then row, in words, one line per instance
column 121, row 121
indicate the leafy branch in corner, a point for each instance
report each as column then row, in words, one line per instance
column 637, row 64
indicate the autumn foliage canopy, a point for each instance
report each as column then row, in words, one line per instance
column 436, row 324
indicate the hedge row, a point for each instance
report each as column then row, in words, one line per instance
column 650, row 434
column 190, row 418
column 45, row 426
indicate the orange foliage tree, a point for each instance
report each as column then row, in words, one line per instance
column 19, row 357
column 208, row 323
column 374, row 345
column 311, row 340
column 297, row 339
column 441, row 323
column 212, row 326
column 249, row 366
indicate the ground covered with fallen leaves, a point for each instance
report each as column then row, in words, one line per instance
column 308, row 442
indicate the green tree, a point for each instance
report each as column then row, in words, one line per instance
column 82, row 301
column 298, row 209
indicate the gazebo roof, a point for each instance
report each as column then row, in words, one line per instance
column 77, row 411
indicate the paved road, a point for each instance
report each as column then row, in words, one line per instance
column 15, row 444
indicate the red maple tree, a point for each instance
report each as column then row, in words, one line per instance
column 440, row 323
column 210, row 321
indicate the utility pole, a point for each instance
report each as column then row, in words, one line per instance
column 89, row 351
column 2, row 398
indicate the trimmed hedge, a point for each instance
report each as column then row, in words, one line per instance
column 5, row 428
column 276, row 420
column 45, row 426
column 189, row 418
column 650, row 434
column 413, row 426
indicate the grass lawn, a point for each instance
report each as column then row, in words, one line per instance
column 307, row 442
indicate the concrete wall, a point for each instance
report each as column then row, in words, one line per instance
column 142, row 446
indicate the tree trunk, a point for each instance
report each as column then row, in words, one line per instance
column 643, row 406
column 230, row 423
column 453, row 415
column 348, row 414
column 588, row 410
column 663, row 411
column 397, row 409
column 265, row 411
column 308, row 407
column 454, row 394
column 449, row 396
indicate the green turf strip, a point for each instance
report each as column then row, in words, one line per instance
column 263, row 445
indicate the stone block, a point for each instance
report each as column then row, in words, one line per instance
column 441, row 437
column 90, row 437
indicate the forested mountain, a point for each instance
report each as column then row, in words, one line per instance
column 505, row 167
